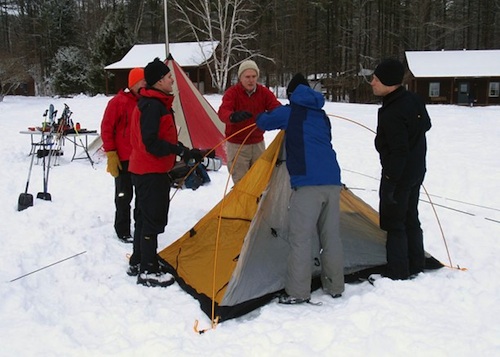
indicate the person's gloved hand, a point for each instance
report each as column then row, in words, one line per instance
column 192, row 156
column 387, row 189
column 180, row 149
column 238, row 117
column 113, row 165
column 196, row 155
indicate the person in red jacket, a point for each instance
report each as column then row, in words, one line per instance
column 240, row 106
column 115, row 134
column 153, row 136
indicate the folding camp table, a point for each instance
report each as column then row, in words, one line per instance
column 79, row 140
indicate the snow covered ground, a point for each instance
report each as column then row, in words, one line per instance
column 87, row 305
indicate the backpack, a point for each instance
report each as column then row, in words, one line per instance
column 196, row 178
column 199, row 176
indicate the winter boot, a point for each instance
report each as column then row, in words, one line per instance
column 133, row 270
column 155, row 279
column 290, row 300
column 126, row 239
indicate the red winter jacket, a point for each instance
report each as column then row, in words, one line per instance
column 115, row 125
column 153, row 134
column 236, row 99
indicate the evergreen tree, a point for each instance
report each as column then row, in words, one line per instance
column 69, row 71
column 110, row 43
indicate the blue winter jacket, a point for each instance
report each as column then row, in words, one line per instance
column 310, row 158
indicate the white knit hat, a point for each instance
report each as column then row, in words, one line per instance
column 249, row 64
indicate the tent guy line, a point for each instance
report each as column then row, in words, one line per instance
column 430, row 194
column 371, row 130
column 438, row 205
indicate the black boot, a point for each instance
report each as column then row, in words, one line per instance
column 155, row 279
column 150, row 274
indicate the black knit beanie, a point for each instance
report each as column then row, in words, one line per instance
column 155, row 71
column 296, row 80
column 390, row 72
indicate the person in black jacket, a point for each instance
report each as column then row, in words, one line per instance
column 401, row 143
column 153, row 137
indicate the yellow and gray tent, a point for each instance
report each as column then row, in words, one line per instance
column 234, row 259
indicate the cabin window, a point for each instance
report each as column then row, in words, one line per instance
column 494, row 89
column 464, row 88
column 434, row 89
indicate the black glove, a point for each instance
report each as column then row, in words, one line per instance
column 192, row 156
column 387, row 189
column 180, row 149
column 238, row 117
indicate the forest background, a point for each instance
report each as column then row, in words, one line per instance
column 65, row 44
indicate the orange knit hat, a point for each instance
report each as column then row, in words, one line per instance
column 134, row 76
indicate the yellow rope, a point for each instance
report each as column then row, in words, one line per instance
column 213, row 318
column 219, row 223
column 352, row 121
column 208, row 153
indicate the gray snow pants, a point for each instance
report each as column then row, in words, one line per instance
column 314, row 213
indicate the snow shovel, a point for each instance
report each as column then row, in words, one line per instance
column 26, row 199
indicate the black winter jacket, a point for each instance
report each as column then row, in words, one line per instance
column 400, row 141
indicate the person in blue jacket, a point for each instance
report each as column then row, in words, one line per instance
column 314, row 208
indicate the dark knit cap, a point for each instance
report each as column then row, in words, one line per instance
column 390, row 72
column 296, row 80
column 155, row 71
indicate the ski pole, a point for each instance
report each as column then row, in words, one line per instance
column 51, row 142
column 47, row 266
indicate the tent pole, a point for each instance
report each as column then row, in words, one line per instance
column 166, row 29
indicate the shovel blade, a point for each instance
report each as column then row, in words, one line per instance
column 44, row 196
column 25, row 201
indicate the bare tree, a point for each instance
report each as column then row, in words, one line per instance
column 225, row 23
column 333, row 38
column 12, row 75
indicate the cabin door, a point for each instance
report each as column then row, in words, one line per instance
column 463, row 93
